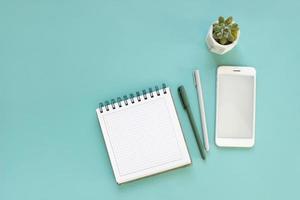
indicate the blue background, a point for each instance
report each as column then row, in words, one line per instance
column 59, row 58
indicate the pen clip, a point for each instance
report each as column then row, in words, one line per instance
column 194, row 77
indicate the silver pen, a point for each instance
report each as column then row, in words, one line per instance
column 198, row 86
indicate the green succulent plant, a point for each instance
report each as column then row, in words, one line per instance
column 225, row 31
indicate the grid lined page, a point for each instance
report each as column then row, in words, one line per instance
column 142, row 136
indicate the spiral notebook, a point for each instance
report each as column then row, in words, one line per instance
column 142, row 134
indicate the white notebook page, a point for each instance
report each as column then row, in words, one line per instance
column 144, row 138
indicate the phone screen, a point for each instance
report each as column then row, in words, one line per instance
column 235, row 106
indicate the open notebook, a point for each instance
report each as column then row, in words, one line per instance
column 142, row 134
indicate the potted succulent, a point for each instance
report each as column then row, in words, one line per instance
column 223, row 35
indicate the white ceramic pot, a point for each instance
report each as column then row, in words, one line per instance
column 217, row 48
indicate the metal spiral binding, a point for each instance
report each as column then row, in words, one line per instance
column 145, row 94
column 106, row 103
column 132, row 98
column 125, row 100
column 138, row 96
column 114, row 103
column 119, row 99
column 164, row 88
column 157, row 90
column 100, row 107
column 151, row 92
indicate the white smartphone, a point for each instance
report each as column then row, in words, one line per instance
column 235, row 106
